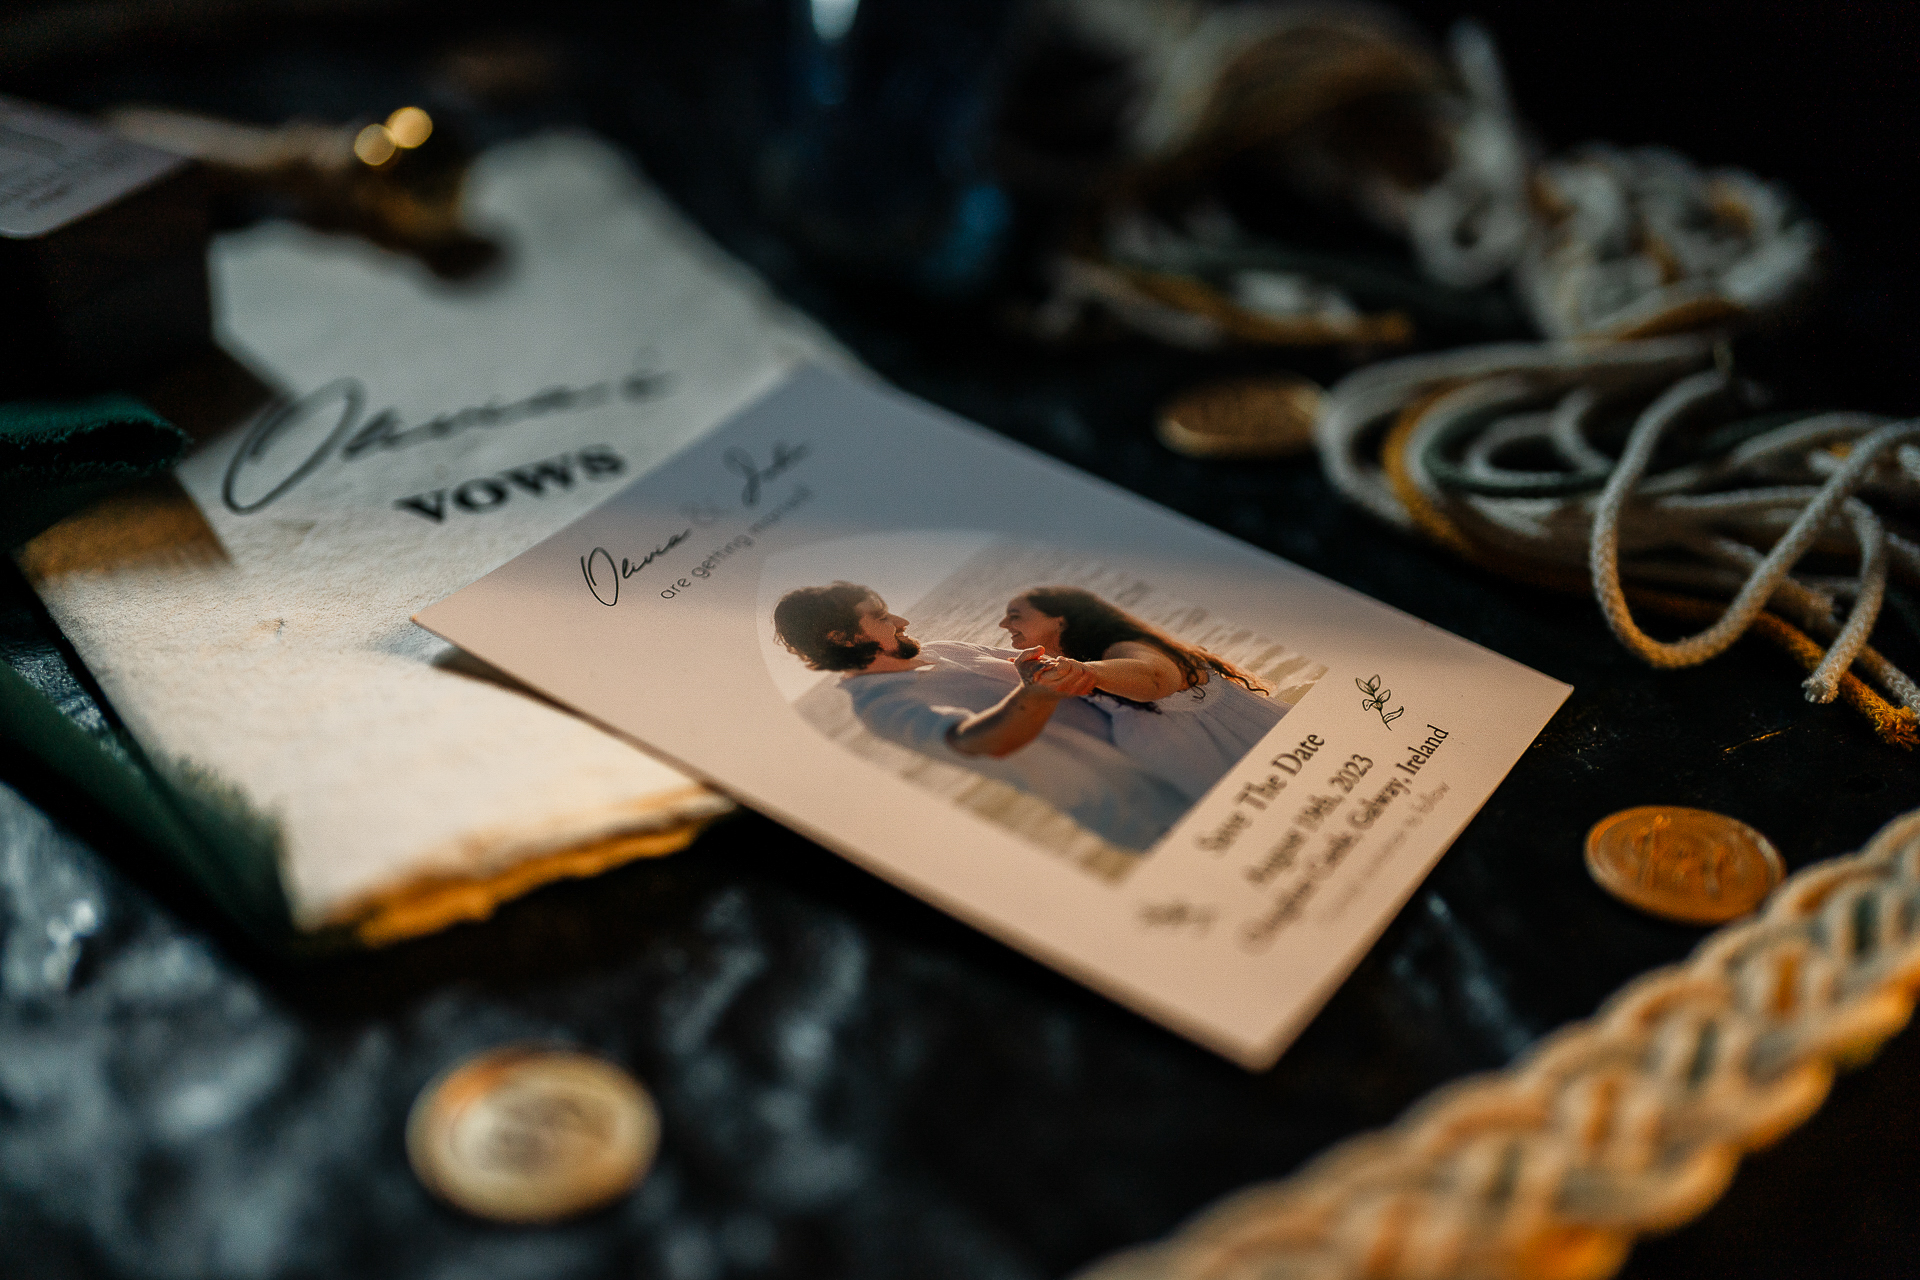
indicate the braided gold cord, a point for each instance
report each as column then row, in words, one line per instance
column 1630, row 1122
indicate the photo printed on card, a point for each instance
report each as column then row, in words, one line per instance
column 1189, row 774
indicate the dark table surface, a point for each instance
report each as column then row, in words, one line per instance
column 853, row 1084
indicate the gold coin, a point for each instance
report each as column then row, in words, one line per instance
column 1242, row 418
column 532, row 1134
column 1684, row 864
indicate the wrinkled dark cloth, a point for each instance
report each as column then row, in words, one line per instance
column 55, row 457
column 852, row 1084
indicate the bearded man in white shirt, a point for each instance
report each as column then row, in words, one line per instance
column 999, row 712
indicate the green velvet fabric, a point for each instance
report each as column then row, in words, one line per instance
column 56, row 457
column 205, row 829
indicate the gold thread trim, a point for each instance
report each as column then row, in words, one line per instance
column 427, row 906
column 1626, row 1123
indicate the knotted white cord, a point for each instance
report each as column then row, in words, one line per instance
column 1680, row 527
column 1765, row 579
column 1812, row 610
column 1349, row 415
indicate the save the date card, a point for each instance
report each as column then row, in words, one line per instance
column 1193, row 776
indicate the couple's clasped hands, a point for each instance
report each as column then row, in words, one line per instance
column 1058, row 677
column 1019, row 718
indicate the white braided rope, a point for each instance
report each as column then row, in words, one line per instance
column 1632, row 1121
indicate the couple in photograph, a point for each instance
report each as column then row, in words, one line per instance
column 1108, row 718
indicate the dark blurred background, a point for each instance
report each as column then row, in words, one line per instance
column 917, row 165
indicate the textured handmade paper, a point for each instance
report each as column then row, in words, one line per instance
column 427, row 432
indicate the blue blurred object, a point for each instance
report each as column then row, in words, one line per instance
column 882, row 162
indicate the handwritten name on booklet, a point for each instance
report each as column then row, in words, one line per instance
column 604, row 579
column 258, row 474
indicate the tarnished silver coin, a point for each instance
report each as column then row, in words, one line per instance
column 1267, row 417
column 532, row 1134
column 1690, row 865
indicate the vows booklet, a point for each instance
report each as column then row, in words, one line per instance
column 1217, row 858
column 423, row 432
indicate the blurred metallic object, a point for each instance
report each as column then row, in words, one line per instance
column 1690, row 865
column 396, row 182
column 1268, row 417
column 527, row 1134
column 374, row 145
column 409, row 127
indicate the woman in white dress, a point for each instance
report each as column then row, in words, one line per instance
column 1178, row 711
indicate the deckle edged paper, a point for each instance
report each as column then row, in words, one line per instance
column 424, row 433
column 1216, row 856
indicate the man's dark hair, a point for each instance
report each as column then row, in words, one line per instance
column 807, row 618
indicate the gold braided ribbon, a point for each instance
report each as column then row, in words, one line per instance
column 1630, row 1122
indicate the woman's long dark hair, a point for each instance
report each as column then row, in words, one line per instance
column 1089, row 626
